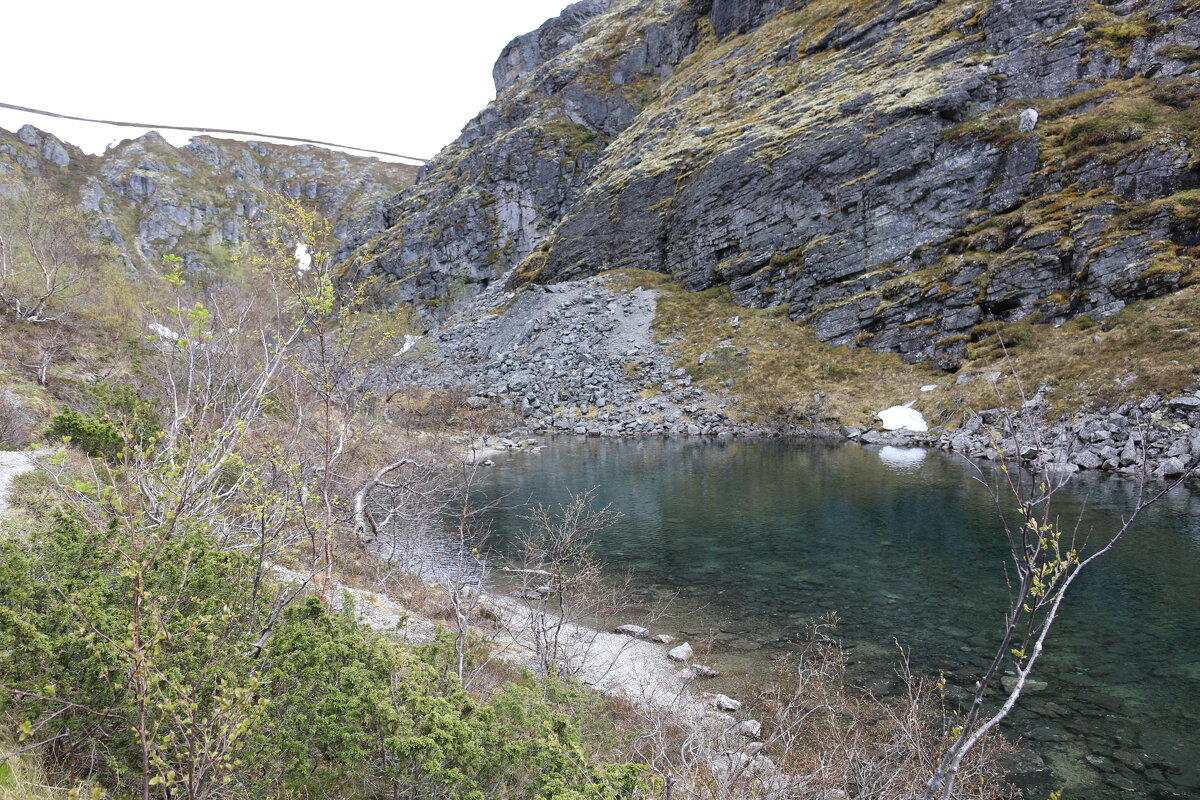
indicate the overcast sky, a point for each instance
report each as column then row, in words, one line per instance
column 401, row 76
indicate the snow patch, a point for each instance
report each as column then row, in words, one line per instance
column 410, row 342
column 902, row 417
column 303, row 259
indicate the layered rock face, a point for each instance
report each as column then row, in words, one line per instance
column 198, row 201
column 901, row 174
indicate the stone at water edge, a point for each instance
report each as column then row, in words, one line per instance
column 750, row 728
column 663, row 638
column 723, row 702
column 636, row 631
column 681, row 653
column 1171, row 468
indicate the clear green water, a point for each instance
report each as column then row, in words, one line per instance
column 755, row 539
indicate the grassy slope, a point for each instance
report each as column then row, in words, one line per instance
column 1150, row 346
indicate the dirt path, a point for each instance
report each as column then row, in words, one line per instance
column 12, row 464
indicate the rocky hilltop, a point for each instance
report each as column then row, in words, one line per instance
column 902, row 175
column 197, row 201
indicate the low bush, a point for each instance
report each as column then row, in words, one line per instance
column 153, row 659
column 116, row 414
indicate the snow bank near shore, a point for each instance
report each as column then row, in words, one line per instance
column 903, row 417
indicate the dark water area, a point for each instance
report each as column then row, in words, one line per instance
column 755, row 539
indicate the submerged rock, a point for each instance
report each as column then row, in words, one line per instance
column 1009, row 682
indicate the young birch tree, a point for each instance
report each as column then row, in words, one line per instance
column 1045, row 561
column 338, row 342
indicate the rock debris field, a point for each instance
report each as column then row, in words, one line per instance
column 574, row 357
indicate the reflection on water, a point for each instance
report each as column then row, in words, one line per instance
column 902, row 459
column 756, row 539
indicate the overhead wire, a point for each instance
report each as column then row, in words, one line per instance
column 195, row 129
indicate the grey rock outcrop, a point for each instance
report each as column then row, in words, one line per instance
column 199, row 201
column 576, row 357
column 871, row 173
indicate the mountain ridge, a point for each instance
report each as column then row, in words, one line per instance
column 199, row 201
column 863, row 164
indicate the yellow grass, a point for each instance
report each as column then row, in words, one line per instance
column 1153, row 345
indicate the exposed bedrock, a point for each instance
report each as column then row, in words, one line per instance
column 900, row 175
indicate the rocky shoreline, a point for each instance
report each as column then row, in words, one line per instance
column 653, row 674
column 1158, row 437
column 582, row 358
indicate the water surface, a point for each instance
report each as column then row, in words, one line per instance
column 755, row 539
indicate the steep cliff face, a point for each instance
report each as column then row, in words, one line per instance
column 900, row 174
column 198, row 201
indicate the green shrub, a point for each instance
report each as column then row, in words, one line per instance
column 328, row 708
column 95, row 436
column 117, row 414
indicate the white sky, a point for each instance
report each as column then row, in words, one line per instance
column 402, row 76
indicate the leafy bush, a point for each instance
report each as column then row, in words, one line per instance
column 95, row 436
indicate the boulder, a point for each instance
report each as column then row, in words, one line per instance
column 681, row 653
column 1185, row 403
column 636, row 631
column 750, row 728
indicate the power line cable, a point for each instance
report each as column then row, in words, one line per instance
column 209, row 130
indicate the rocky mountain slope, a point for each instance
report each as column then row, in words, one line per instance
column 901, row 174
column 579, row 357
column 197, row 201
